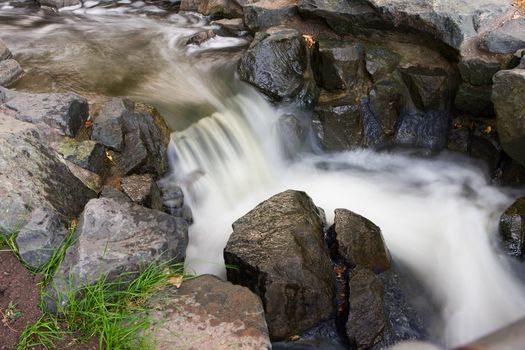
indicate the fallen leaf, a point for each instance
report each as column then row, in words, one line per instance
column 175, row 280
column 109, row 156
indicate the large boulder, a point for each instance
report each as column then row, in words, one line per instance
column 64, row 112
column 40, row 196
column 115, row 236
column 339, row 63
column 278, row 252
column 360, row 241
column 507, row 95
column 277, row 63
column 507, row 38
column 268, row 13
column 512, row 228
column 207, row 313
column 10, row 72
column 366, row 317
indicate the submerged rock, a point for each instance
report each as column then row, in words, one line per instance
column 116, row 236
column 512, row 228
column 360, row 241
column 507, row 95
column 279, row 253
column 207, row 313
column 10, row 72
column 39, row 195
column 65, row 113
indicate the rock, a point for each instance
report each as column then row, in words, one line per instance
column 277, row 63
column 213, row 8
column 264, row 14
column 279, row 251
column 339, row 63
column 342, row 124
column 115, row 237
column 201, row 37
column 425, row 130
column 360, row 241
column 381, row 61
column 113, row 193
column 38, row 191
column 229, row 27
column 58, row 4
column 366, row 319
column 509, row 104
column 207, row 313
column 385, row 100
column 4, row 51
column 87, row 154
column 478, row 71
column 475, row 100
column 172, row 195
column 65, row 113
column 143, row 190
column 459, row 140
column 108, row 126
column 507, row 38
column 430, row 89
column 512, row 228
column 10, row 72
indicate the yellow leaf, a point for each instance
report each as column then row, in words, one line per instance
column 175, row 280
column 109, row 156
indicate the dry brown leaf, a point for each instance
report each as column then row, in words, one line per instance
column 175, row 280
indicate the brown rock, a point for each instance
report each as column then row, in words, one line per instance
column 143, row 190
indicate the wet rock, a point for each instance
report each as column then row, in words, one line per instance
column 512, row 173
column 229, row 27
column 477, row 71
column 4, row 51
column 10, row 72
column 268, row 13
column 339, row 63
column 507, row 38
column 87, row 154
column 386, row 99
column 277, row 63
column 425, row 130
column 108, row 126
column 430, row 89
column 201, row 37
column 213, row 8
column 366, row 320
column 486, row 147
column 459, row 140
column 65, row 113
column 381, row 61
column 57, row 4
column 172, row 195
column 507, row 95
column 512, row 228
column 39, row 194
column 143, row 190
column 279, row 250
column 115, row 237
column 207, row 313
column 360, row 241
column 475, row 100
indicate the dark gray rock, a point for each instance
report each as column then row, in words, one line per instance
column 115, row 237
column 425, row 130
column 475, row 100
column 509, row 104
column 58, row 4
column 507, row 38
column 39, row 195
column 366, row 319
column 143, row 190
column 339, row 63
column 512, row 228
column 277, row 63
column 381, row 61
column 207, row 313
column 113, row 193
column 10, row 72
column 360, row 241
column 341, row 123
column 478, row 71
column 268, row 13
column 87, row 154
column 108, row 126
column 4, row 51
column 430, row 89
column 385, row 100
column 459, row 140
column 278, row 249
column 65, row 113
column 135, row 155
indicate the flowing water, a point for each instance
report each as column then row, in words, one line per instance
column 438, row 216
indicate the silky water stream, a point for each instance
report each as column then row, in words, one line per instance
column 438, row 216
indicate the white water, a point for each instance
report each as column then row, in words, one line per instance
column 437, row 217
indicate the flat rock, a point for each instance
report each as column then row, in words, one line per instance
column 143, row 190
column 360, row 241
column 116, row 236
column 512, row 228
column 207, row 313
column 65, row 113
column 87, row 154
column 10, row 72
column 40, row 195
column 279, row 253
